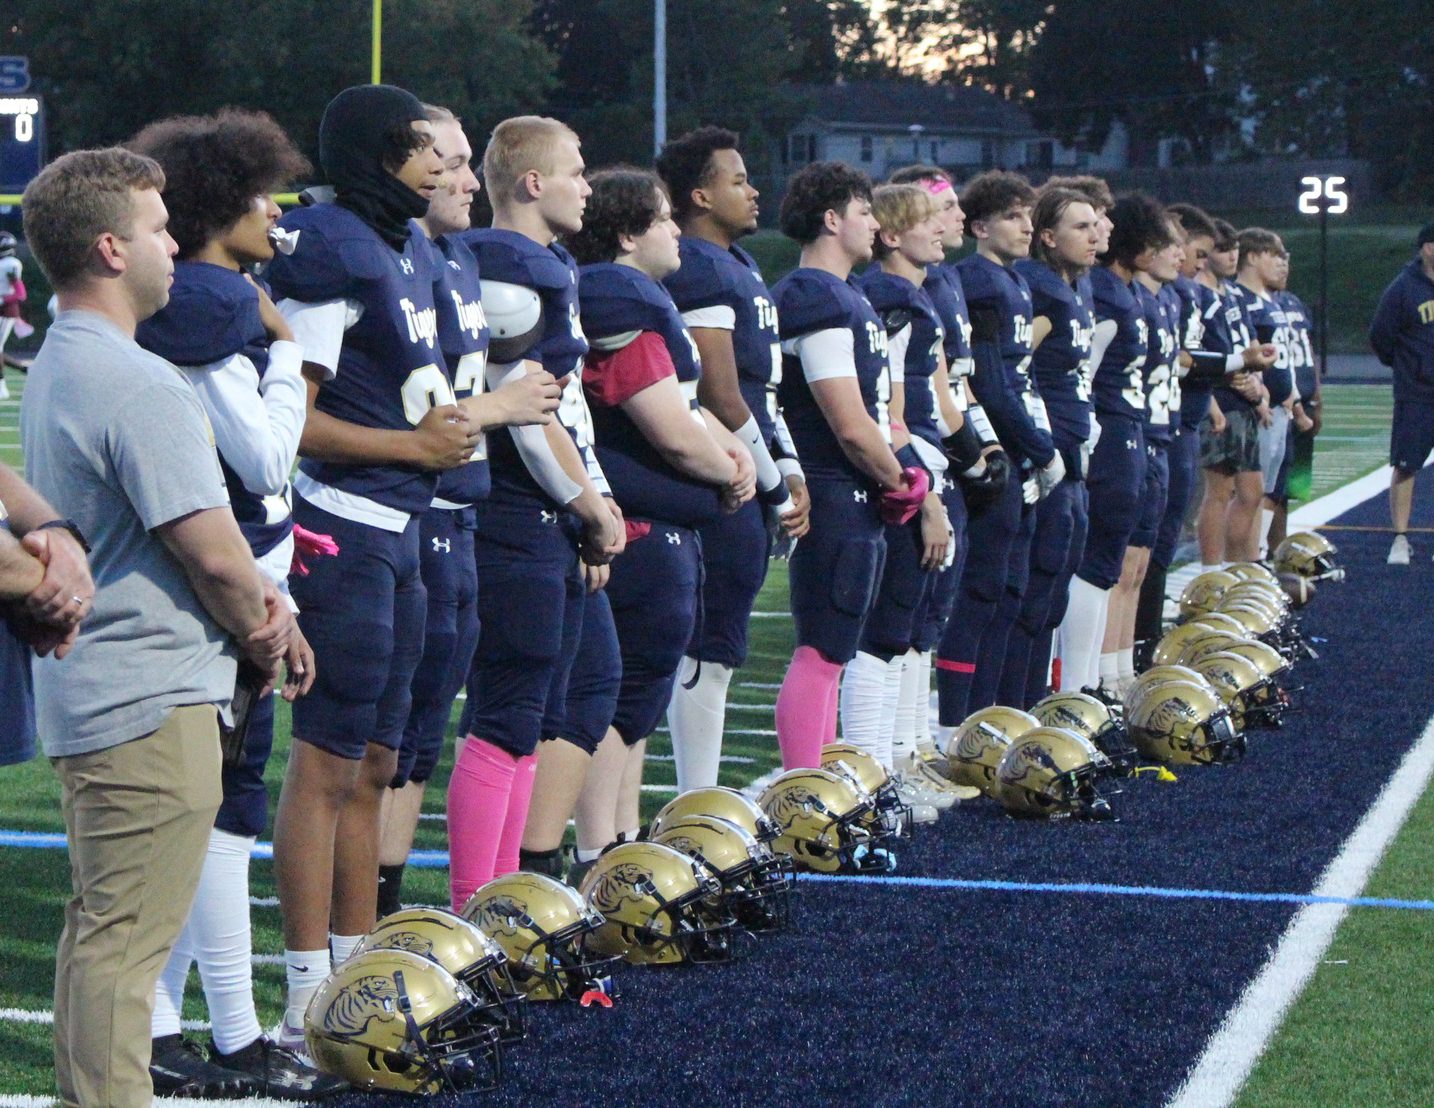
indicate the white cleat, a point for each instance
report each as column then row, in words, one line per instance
column 1399, row 551
column 915, row 793
column 925, row 766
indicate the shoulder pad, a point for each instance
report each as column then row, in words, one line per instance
column 209, row 318
column 702, row 281
column 886, row 292
column 1044, row 282
column 515, row 319
column 808, row 302
column 517, row 259
column 332, row 249
column 617, row 299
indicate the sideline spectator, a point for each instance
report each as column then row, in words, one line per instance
column 1402, row 334
column 118, row 439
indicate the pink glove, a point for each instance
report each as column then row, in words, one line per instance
column 309, row 543
column 899, row 505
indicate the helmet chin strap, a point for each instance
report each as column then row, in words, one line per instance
column 455, row 1071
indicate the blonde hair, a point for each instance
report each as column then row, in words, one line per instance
column 518, row 146
column 898, row 208
column 79, row 197
column 436, row 113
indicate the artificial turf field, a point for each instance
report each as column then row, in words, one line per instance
column 937, row 989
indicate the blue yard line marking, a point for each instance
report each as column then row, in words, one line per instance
column 437, row 859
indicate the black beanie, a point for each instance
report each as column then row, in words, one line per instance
column 353, row 139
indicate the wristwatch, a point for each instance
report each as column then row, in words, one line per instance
column 67, row 525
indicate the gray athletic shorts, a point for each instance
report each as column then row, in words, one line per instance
column 1273, row 440
column 1236, row 449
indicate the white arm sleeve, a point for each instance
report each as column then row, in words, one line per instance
column 257, row 425
column 750, row 435
column 319, row 328
column 1104, row 332
column 825, row 354
column 788, row 465
column 718, row 317
column 1235, row 363
column 532, row 443
column 896, row 347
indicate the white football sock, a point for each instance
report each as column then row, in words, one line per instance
column 1211, row 569
column 1267, row 517
column 695, row 717
column 343, row 946
column 926, row 706
column 1126, row 661
column 219, row 932
column 890, row 700
column 1110, row 671
column 909, row 703
column 305, row 971
column 1080, row 635
column 863, row 690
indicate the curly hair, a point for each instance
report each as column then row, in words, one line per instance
column 993, row 192
column 815, row 190
column 214, row 166
column 1193, row 221
column 686, row 164
column 1141, row 224
column 625, row 201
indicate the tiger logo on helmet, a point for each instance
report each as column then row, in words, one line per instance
column 976, row 747
column 1088, row 717
column 825, row 821
column 1185, row 723
column 1051, row 772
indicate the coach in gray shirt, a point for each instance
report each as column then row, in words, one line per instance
column 116, row 439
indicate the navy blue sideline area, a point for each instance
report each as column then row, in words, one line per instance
column 936, row 996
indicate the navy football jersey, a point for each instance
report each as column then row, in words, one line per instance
column 715, row 278
column 463, row 338
column 212, row 315
column 1118, row 386
column 390, row 372
column 813, row 300
column 1229, row 325
column 897, row 300
column 1299, row 325
column 1267, row 319
column 943, row 285
column 1196, row 300
column 1160, row 355
column 1059, row 363
column 620, row 303
column 550, row 272
column 1011, row 404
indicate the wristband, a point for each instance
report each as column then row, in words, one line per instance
column 67, row 525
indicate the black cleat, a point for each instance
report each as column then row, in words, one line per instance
column 178, row 1067
column 278, row 1072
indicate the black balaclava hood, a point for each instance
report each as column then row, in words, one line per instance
column 353, row 138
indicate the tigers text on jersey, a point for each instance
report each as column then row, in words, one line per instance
column 1060, row 364
column 1011, row 403
column 902, row 305
column 1117, row 386
column 809, row 302
column 723, row 289
column 389, row 370
column 212, row 316
column 638, row 338
column 463, row 338
column 550, row 272
column 1267, row 318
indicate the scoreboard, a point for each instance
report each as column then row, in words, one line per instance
column 22, row 140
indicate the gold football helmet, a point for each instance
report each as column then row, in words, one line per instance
column 1200, row 595
column 1236, row 679
column 1089, row 718
column 825, row 822
column 891, row 818
column 1172, row 644
column 1156, row 676
column 1266, row 592
column 1219, row 621
column 463, row 950
column 1270, row 699
column 392, row 1020
column 1253, row 571
column 543, row 927
column 1050, row 771
column 975, row 748
column 719, row 801
column 659, row 906
column 1259, row 622
column 1208, row 644
column 1308, row 555
column 1185, row 723
column 756, row 883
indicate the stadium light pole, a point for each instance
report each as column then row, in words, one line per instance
column 659, row 76
column 376, row 50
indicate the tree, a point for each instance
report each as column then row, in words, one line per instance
column 986, row 42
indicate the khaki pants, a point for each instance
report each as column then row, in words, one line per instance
column 137, row 817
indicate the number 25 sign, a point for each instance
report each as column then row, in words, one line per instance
column 1325, row 193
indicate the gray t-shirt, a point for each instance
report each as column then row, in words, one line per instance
column 116, row 439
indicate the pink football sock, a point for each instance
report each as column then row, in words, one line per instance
column 478, row 795
column 525, row 772
column 806, row 708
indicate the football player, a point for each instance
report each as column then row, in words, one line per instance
column 1067, row 234
column 973, row 652
column 12, row 295
column 880, row 694
column 1115, row 474
column 546, row 503
column 1229, row 450
column 1403, row 338
column 222, row 329
column 834, row 392
column 1299, row 449
column 730, row 314
column 1161, row 304
column 671, row 464
column 1263, row 270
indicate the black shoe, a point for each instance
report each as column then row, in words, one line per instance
column 178, row 1067
column 278, row 1072
column 576, row 872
